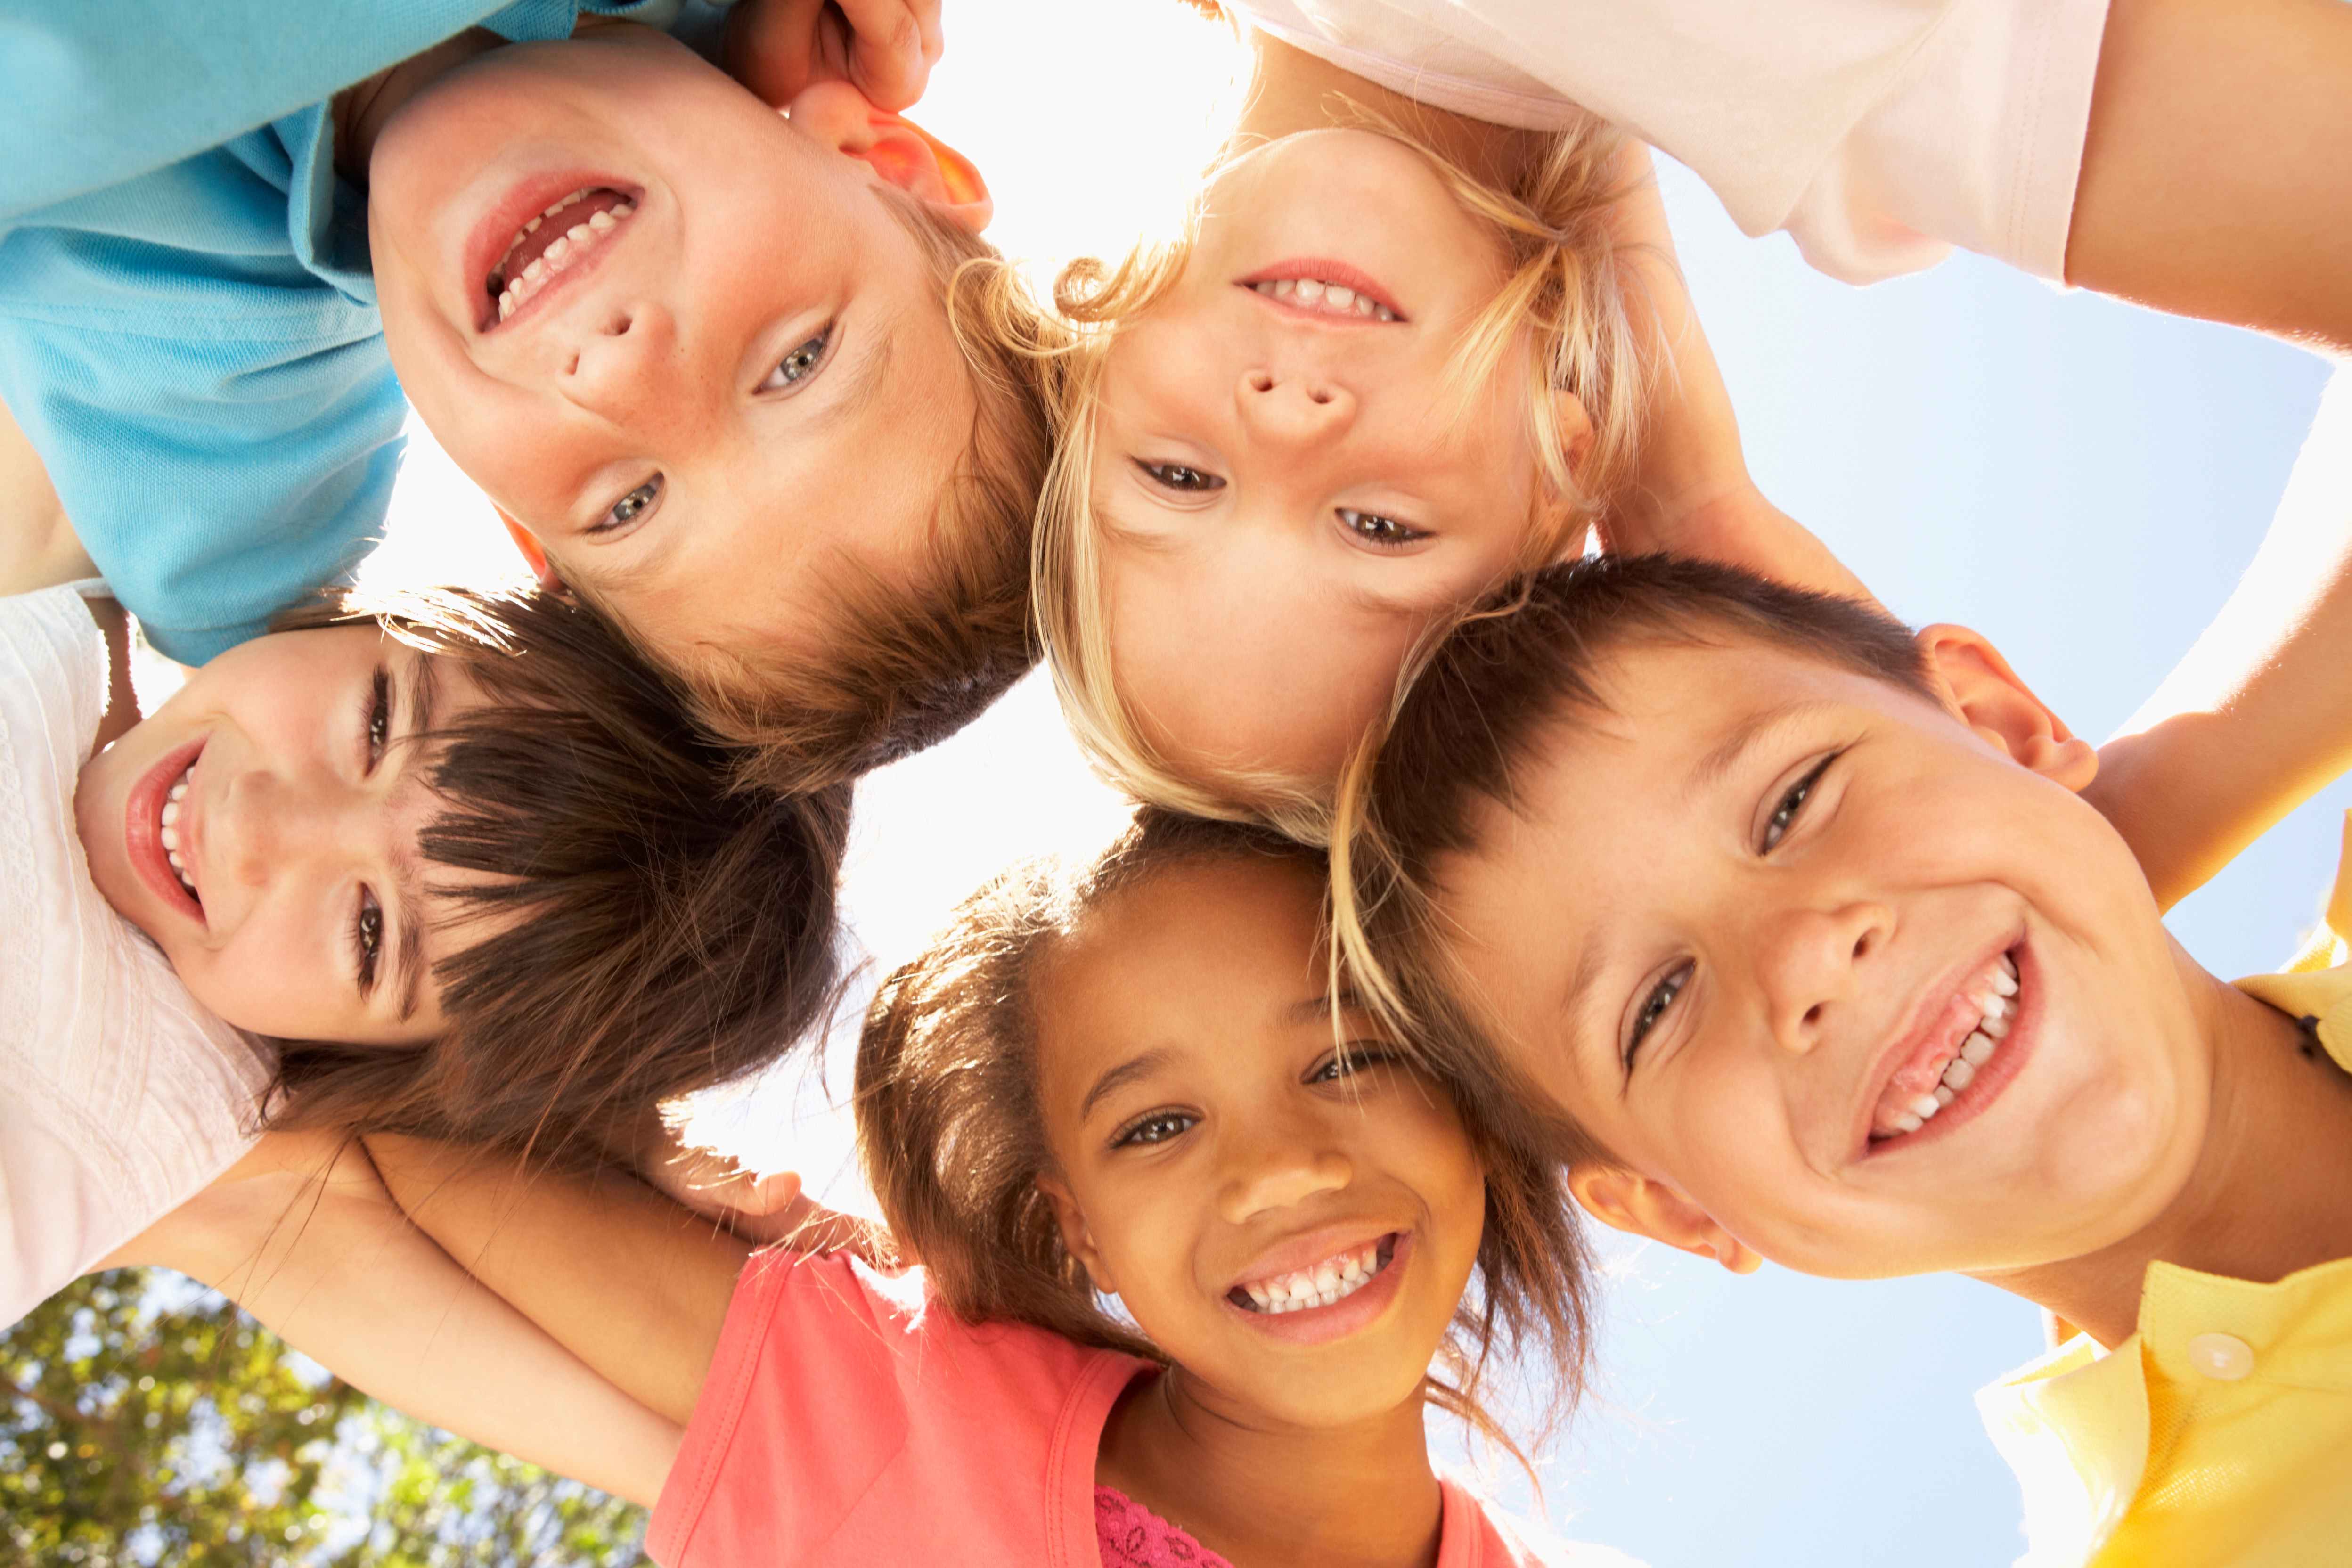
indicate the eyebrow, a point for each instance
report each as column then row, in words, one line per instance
column 1120, row 1077
column 1725, row 755
column 408, row 947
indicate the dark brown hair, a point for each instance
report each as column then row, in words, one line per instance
column 654, row 928
column 953, row 1139
column 1473, row 715
column 902, row 671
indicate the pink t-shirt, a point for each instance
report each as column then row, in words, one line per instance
column 847, row 1418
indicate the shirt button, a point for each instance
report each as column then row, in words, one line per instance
column 2225, row 1357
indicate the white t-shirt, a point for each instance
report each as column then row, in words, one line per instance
column 1878, row 132
column 120, row 1096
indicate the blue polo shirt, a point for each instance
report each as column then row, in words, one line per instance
column 188, row 326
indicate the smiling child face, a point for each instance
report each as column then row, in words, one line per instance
column 734, row 375
column 280, row 780
column 1747, row 919
column 1224, row 1175
column 1286, row 493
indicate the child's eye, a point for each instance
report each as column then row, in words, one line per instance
column 1784, row 815
column 629, row 507
column 378, row 716
column 1385, row 531
column 1654, row 1009
column 1157, row 1128
column 1180, row 478
column 800, row 364
column 1354, row 1061
column 367, row 937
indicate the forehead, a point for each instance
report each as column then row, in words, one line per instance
column 1203, row 953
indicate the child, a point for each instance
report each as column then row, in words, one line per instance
column 1126, row 1082
column 801, row 477
column 458, row 859
column 1801, row 927
column 1257, row 510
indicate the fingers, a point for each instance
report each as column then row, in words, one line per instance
column 885, row 49
column 893, row 46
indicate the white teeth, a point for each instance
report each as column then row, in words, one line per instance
column 1976, row 1051
column 1944, row 1095
column 624, row 210
column 1287, row 287
column 1336, row 298
column 555, row 253
column 536, row 270
column 580, row 234
column 171, row 810
column 2009, row 966
column 170, row 838
column 179, row 790
column 601, row 223
column 1994, row 1028
column 2004, row 982
column 1909, row 1123
column 1334, row 294
column 1926, row 1105
column 1998, row 1008
column 568, row 247
column 1333, row 1280
column 1310, row 291
column 532, row 227
column 1960, row 1074
column 506, row 304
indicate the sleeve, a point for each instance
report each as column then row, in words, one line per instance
column 55, row 1215
column 1979, row 145
column 810, row 1348
column 102, row 90
column 213, row 480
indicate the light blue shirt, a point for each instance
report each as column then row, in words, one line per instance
column 188, row 326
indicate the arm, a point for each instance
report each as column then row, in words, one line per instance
column 2259, row 715
column 2217, row 171
column 38, row 547
column 633, row 1284
column 302, row 1235
column 1691, row 492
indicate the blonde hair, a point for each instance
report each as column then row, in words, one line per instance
column 900, row 672
column 1561, row 310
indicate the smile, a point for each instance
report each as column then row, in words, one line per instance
column 555, row 240
column 1324, row 291
column 160, row 831
column 1966, row 1061
column 1324, row 1284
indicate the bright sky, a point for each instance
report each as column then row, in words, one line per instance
column 2083, row 480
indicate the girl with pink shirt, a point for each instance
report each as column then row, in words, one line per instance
column 1124, row 1082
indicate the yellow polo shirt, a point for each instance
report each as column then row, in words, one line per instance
column 2221, row 1432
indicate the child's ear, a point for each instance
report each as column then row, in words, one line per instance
column 1072, row 1220
column 899, row 153
column 1979, row 685
column 1636, row 1204
column 534, row 554
column 1575, row 423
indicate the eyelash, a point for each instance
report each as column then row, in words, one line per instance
column 367, row 937
column 1132, row 1135
column 1197, row 482
column 1355, row 1061
column 1776, row 830
column 1401, row 534
column 809, row 357
column 376, row 716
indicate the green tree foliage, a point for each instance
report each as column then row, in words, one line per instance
column 145, row 1421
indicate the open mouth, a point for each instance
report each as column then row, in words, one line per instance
column 564, row 234
column 1963, row 1066
column 159, row 830
column 1328, row 291
column 1324, row 1284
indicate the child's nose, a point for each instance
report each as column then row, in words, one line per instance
column 619, row 363
column 1811, row 964
column 1294, row 409
column 1281, row 1172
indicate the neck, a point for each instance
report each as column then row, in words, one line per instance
column 1291, row 90
column 1363, row 1495
column 362, row 110
column 2271, row 1189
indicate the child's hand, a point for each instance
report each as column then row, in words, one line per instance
column 765, row 1209
column 885, row 49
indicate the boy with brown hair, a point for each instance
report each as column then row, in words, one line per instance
column 1801, row 931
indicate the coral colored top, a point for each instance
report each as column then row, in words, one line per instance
column 849, row 1418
